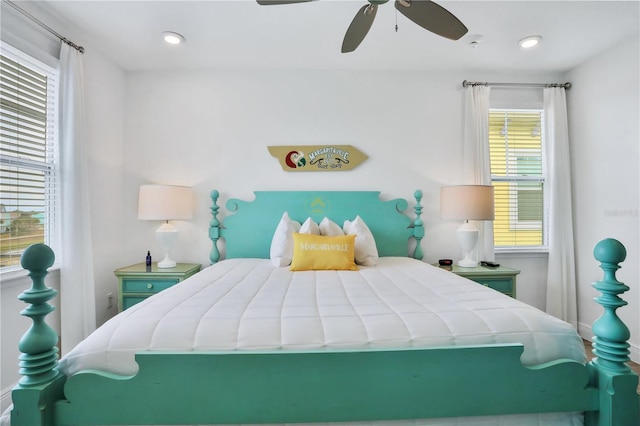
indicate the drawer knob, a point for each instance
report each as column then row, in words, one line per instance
column 149, row 286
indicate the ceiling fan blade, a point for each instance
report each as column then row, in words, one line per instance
column 432, row 17
column 359, row 27
column 272, row 2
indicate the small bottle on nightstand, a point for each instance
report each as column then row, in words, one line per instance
column 148, row 261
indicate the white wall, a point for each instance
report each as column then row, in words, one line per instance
column 211, row 130
column 104, row 102
column 604, row 119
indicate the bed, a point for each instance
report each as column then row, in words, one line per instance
column 249, row 341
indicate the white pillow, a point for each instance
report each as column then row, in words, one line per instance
column 281, row 251
column 330, row 228
column 366, row 252
column 309, row 227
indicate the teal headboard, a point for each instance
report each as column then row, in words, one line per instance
column 249, row 229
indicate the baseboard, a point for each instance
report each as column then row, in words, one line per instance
column 5, row 399
column 586, row 332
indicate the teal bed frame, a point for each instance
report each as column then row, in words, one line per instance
column 310, row 386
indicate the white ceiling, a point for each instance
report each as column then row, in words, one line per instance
column 236, row 34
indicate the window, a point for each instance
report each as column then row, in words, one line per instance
column 518, row 176
column 28, row 138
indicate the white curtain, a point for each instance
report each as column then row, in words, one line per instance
column 477, row 166
column 561, row 280
column 77, row 294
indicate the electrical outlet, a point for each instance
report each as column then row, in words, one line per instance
column 109, row 300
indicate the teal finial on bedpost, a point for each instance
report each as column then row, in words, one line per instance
column 418, row 226
column 611, row 334
column 38, row 345
column 214, row 227
column 617, row 383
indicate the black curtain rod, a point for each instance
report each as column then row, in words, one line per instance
column 43, row 25
column 466, row 83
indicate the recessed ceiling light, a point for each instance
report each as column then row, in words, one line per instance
column 172, row 38
column 529, row 42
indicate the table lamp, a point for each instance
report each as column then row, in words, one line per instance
column 467, row 202
column 165, row 202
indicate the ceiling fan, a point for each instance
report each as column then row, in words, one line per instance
column 425, row 13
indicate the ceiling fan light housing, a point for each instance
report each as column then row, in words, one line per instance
column 475, row 39
column 529, row 42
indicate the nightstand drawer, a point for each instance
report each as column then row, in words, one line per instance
column 499, row 278
column 129, row 301
column 502, row 285
column 137, row 282
column 147, row 285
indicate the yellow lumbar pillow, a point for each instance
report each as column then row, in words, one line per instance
column 319, row 252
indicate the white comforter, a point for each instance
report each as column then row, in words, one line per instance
column 247, row 304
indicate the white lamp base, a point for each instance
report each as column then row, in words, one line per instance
column 166, row 263
column 467, row 237
column 167, row 235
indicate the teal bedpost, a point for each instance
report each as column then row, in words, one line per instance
column 418, row 226
column 619, row 402
column 41, row 383
column 214, row 227
column 38, row 345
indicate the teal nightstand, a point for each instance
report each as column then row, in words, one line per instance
column 501, row 278
column 136, row 283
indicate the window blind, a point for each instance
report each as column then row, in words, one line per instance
column 517, row 174
column 28, row 152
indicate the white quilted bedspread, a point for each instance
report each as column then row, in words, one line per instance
column 247, row 304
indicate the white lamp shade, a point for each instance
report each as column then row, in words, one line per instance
column 467, row 202
column 165, row 202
